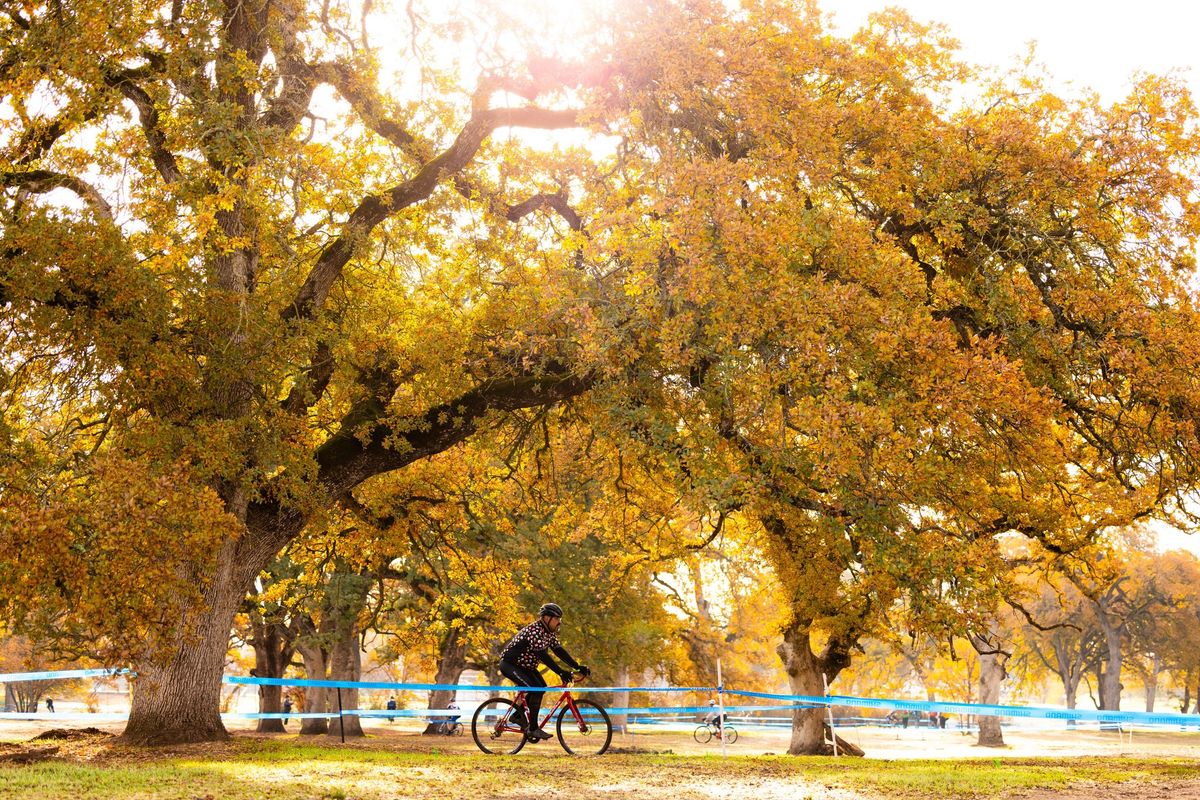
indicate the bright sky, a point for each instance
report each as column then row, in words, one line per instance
column 1097, row 44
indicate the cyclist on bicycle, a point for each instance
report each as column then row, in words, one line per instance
column 715, row 717
column 451, row 722
column 520, row 658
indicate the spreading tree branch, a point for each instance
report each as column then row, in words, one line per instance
column 556, row 201
column 377, row 207
column 164, row 160
column 40, row 181
column 348, row 458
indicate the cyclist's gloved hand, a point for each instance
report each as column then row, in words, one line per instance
column 584, row 670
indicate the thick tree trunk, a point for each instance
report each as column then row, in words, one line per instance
column 272, row 654
column 621, row 700
column 452, row 660
column 992, row 659
column 347, row 592
column 494, row 677
column 180, row 701
column 1110, row 684
column 804, row 670
column 1070, row 664
column 345, row 664
column 1110, row 674
column 991, row 675
column 270, row 701
column 1071, row 691
column 1151, row 682
column 315, row 697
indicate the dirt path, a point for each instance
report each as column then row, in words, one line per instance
column 1124, row 790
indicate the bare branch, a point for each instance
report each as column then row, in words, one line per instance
column 16, row 17
column 357, row 90
column 345, row 461
column 40, row 181
column 545, row 74
column 39, row 137
column 378, row 207
column 718, row 526
column 556, row 201
column 299, row 78
column 163, row 159
column 1033, row 623
column 311, row 385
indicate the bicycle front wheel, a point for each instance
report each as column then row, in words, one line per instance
column 493, row 730
column 589, row 735
column 702, row 734
column 730, row 735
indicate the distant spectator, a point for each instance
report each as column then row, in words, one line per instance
column 49, row 705
column 287, row 708
column 391, row 706
column 942, row 721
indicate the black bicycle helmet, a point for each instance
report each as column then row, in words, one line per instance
column 550, row 610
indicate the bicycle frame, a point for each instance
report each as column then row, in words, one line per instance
column 565, row 697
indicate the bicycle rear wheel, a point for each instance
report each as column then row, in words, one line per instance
column 589, row 737
column 702, row 734
column 493, row 730
column 730, row 735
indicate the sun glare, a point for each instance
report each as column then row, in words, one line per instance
column 481, row 35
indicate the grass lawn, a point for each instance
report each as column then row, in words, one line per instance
column 393, row 767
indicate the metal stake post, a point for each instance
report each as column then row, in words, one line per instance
column 832, row 729
column 341, row 716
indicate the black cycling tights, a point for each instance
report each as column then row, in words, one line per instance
column 524, row 676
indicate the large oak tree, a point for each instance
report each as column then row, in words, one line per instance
column 901, row 319
column 245, row 268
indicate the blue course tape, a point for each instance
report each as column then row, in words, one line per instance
column 793, row 700
column 1028, row 712
column 451, row 687
column 683, row 710
column 11, row 677
column 984, row 710
column 61, row 715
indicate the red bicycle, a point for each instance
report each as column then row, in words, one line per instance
column 582, row 726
